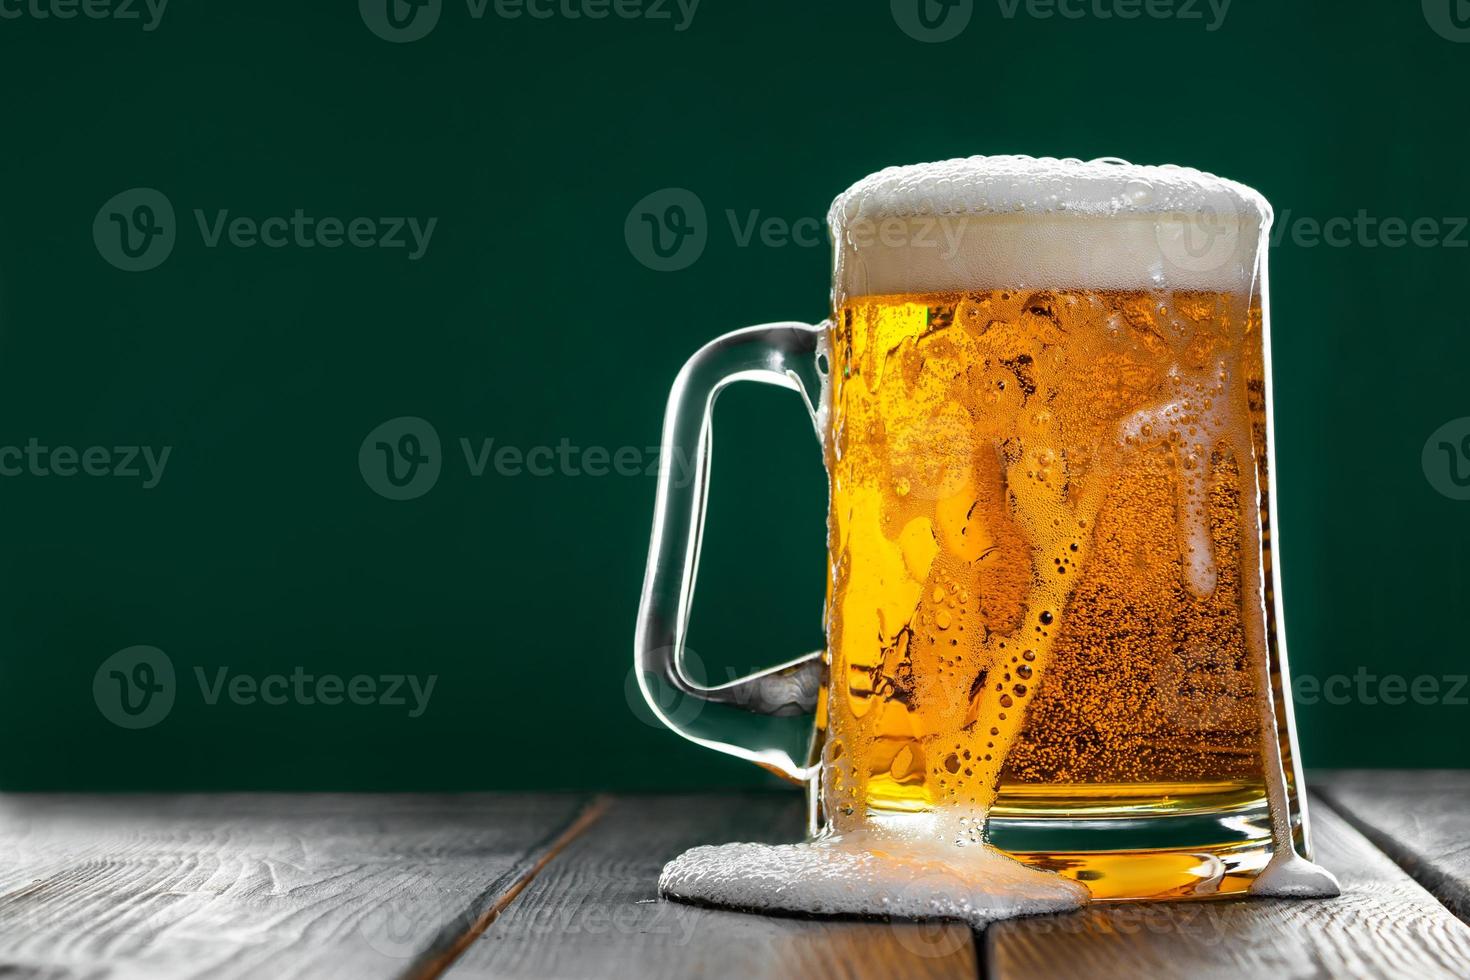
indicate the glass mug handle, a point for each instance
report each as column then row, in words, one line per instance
column 765, row 717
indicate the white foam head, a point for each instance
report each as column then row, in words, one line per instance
column 1025, row 222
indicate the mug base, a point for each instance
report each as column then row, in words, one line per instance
column 1157, row 856
column 1127, row 842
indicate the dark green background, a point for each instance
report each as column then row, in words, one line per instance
column 529, row 321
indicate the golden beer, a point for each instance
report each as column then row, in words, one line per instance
column 1044, row 509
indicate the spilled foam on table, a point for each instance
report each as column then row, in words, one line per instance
column 872, row 872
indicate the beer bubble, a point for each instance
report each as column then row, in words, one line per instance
column 1045, row 617
column 1024, row 671
column 1029, row 655
column 1005, row 701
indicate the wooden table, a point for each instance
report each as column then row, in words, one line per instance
column 541, row 886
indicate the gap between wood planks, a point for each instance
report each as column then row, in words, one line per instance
column 1443, row 886
column 1430, row 878
column 439, row 962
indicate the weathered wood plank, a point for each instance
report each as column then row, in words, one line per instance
column 594, row 913
column 1421, row 819
column 357, row 886
column 1383, row 925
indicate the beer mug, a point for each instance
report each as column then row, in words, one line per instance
column 1053, row 597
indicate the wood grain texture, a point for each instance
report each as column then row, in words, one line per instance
column 1421, row 819
column 1383, row 925
column 594, row 912
column 391, row 886
column 356, row 886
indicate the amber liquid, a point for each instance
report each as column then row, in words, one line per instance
column 1046, row 546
